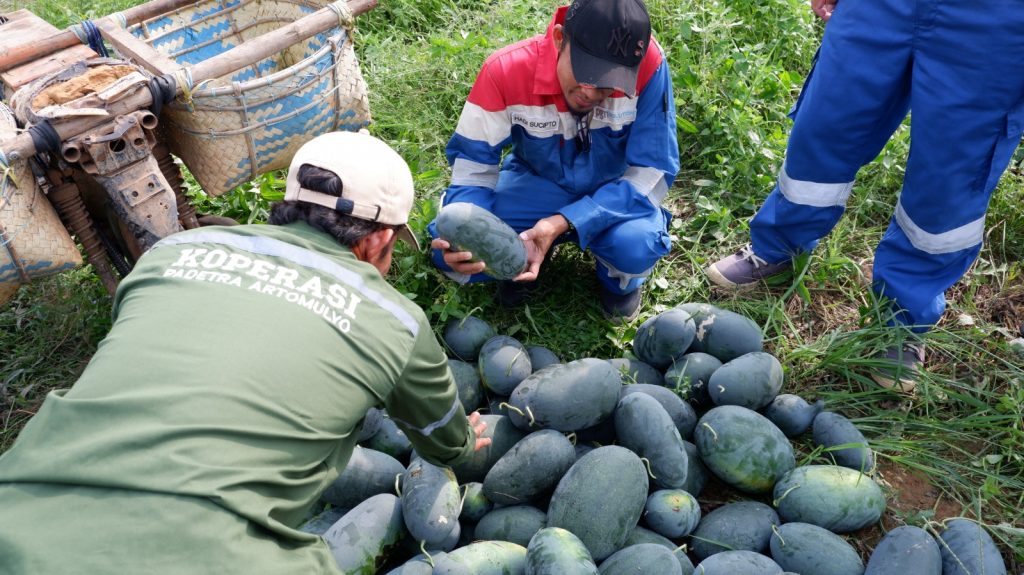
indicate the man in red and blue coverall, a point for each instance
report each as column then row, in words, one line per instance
column 588, row 111
column 959, row 65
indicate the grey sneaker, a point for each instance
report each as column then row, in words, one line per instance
column 904, row 362
column 743, row 269
column 620, row 308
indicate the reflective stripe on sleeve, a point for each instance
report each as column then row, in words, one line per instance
column 469, row 173
column 649, row 182
column 478, row 124
column 426, row 431
column 301, row 256
column 812, row 193
column 961, row 238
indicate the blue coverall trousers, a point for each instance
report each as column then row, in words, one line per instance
column 625, row 252
column 959, row 66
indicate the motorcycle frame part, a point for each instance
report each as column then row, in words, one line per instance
column 172, row 173
column 118, row 155
column 67, row 199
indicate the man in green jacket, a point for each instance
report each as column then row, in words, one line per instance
column 232, row 387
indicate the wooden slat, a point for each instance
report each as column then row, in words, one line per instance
column 136, row 50
column 26, row 28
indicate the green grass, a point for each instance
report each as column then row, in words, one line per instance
column 737, row 69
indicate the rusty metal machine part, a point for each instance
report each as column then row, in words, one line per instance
column 119, row 156
column 172, row 173
column 67, row 200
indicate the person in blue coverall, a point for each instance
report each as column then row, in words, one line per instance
column 959, row 65
column 587, row 109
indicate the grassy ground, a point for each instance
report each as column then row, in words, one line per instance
column 954, row 448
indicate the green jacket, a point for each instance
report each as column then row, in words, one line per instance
column 235, row 378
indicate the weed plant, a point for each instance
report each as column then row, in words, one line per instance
column 737, row 69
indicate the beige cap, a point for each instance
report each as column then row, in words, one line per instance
column 376, row 182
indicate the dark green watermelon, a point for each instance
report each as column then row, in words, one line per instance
column 904, row 550
column 743, row 448
column 568, row 397
column 601, row 499
column 837, row 498
column 503, row 363
column 663, row 338
column 464, row 337
column 469, row 227
column 743, row 525
column 806, row 548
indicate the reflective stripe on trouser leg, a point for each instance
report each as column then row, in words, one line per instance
column 968, row 115
column 627, row 252
column 855, row 97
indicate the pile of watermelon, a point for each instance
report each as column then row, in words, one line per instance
column 598, row 466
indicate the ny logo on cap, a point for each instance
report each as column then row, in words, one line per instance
column 619, row 41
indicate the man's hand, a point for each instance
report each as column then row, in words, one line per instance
column 538, row 240
column 461, row 262
column 823, row 8
column 478, row 428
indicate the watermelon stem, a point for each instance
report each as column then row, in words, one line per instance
column 711, row 429
column 512, row 407
column 572, row 438
column 775, row 503
column 775, row 530
column 530, row 412
column 647, row 464
column 464, row 488
column 398, row 490
column 423, row 549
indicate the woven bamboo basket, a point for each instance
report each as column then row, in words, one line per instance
column 232, row 129
column 33, row 241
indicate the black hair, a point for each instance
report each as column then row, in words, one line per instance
column 346, row 230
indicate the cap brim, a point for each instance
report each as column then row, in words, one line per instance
column 405, row 234
column 599, row 73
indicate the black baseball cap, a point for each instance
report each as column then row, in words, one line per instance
column 608, row 39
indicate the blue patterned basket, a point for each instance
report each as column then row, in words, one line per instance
column 232, row 129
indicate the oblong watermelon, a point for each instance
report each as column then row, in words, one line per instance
column 689, row 376
column 643, row 426
column 792, row 414
column 725, row 334
column 806, row 548
column 469, row 227
column 832, row 430
column 743, row 448
column 517, row 524
column 967, row 549
column 541, row 357
column 467, row 381
column 663, row 338
column 474, row 503
column 391, row 440
column 483, row 558
column 636, row 371
column 752, row 380
column 368, row 473
column 906, row 549
column 431, row 502
column 555, row 551
column 738, row 526
column 531, row 469
column 361, row 540
column 601, row 499
column 738, row 563
column 503, row 435
column 837, row 498
column 682, row 414
column 503, row 363
column 642, row 558
column 568, row 397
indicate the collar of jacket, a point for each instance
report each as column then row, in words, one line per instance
column 545, row 81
